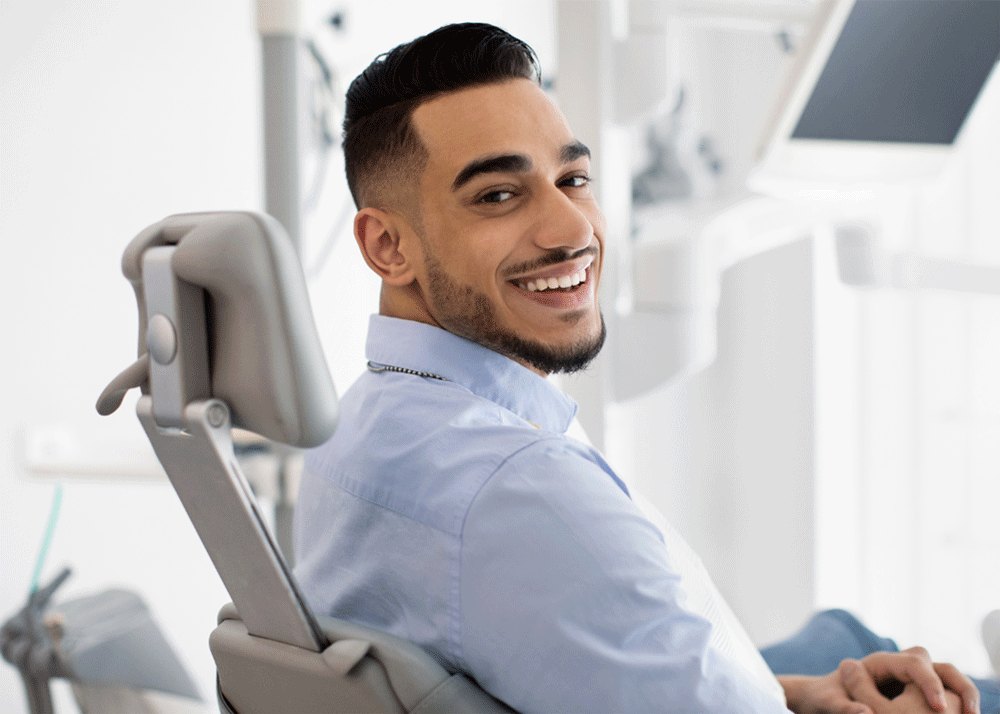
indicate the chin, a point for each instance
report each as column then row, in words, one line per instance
column 572, row 355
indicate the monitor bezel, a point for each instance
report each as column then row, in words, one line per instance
column 790, row 164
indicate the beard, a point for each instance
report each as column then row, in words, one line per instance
column 469, row 313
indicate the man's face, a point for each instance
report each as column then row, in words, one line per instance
column 511, row 234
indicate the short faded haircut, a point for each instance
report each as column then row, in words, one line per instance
column 380, row 143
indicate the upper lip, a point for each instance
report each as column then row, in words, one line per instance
column 557, row 271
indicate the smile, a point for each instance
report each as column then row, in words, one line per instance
column 554, row 282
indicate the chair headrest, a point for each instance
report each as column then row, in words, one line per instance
column 264, row 354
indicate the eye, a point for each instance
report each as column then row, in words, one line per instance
column 576, row 181
column 497, row 196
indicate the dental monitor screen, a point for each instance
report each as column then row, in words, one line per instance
column 884, row 92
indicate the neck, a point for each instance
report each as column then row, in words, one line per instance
column 407, row 303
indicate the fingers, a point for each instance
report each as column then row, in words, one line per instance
column 961, row 685
column 910, row 666
column 853, row 708
column 955, row 704
column 859, row 685
column 914, row 666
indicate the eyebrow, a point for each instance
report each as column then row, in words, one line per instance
column 503, row 164
column 512, row 163
column 573, row 151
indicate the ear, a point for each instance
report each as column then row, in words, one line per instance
column 383, row 246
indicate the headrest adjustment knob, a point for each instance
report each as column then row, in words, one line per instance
column 161, row 337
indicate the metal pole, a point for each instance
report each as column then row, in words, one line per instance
column 279, row 25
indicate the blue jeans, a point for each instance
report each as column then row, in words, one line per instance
column 836, row 635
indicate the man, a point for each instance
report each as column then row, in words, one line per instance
column 450, row 508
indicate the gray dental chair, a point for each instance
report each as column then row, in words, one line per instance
column 226, row 339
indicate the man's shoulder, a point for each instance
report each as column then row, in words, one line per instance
column 420, row 447
column 403, row 407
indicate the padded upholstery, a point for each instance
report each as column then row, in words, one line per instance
column 267, row 363
column 364, row 670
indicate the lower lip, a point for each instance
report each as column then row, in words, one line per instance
column 578, row 297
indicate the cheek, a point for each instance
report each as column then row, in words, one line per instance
column 482, row 257
column 475, row 270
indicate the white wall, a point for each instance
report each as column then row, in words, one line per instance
column 116, row 114
column 909, row 424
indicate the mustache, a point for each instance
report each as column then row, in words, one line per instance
column 551, row 258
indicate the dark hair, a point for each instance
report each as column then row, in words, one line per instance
column 379, row 139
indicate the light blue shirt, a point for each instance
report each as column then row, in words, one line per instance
column 457, row 514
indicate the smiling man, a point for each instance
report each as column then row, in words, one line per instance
column 502, row 243
column 450, row 508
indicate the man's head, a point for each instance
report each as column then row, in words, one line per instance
column 474, row 197
column 379, row 143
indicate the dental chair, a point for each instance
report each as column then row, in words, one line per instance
column 227, row 340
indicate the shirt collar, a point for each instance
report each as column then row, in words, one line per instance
column 424, row 348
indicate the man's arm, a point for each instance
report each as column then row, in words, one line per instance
column 570, row 601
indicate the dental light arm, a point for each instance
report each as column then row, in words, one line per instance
column 667, row 330
column 666, row 327
column 862, row 263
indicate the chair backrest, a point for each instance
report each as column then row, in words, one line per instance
column 226, row 338
column 254, row 327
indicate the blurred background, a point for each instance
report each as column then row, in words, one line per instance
column 836, row 445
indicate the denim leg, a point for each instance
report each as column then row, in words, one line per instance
column 827, row 639
column 989, row 695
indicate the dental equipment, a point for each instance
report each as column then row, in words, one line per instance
column 881, row 97
column 227, row 340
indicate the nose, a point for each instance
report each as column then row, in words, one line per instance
column 565, row 223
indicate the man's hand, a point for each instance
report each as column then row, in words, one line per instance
column 827, row 695
column 821, row 695
column 913, row 700
column 937, row 683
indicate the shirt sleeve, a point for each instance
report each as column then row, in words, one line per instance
column 569, row 601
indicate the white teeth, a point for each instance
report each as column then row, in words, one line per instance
column 566, row 281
